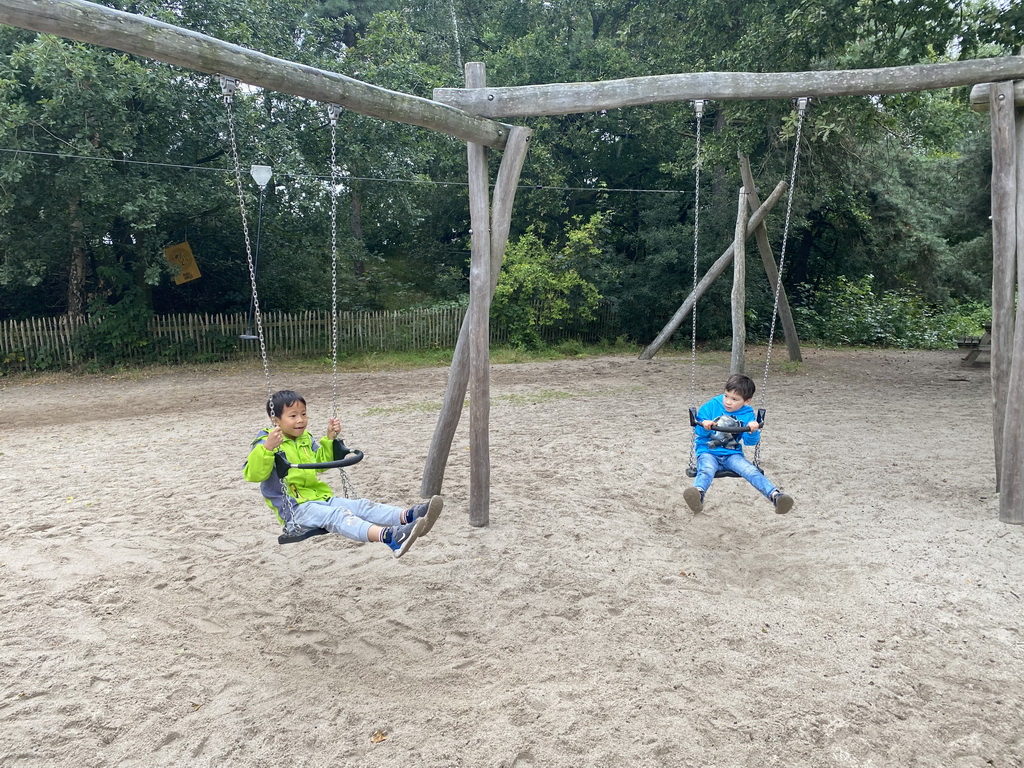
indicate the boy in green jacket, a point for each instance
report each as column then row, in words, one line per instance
column 303, row 501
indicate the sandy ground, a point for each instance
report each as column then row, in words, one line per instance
column 151, row 619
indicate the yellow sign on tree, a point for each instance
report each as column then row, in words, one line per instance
column 180, row 256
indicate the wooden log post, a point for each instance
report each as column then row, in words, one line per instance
column 458, row 376
column 479, row 322
column 1004, row 258
column 142, row 36
column 713, row 272
column 980, row 95
column 768, row 260
column 1011, row 495
column 738, row 359
column 569, row 98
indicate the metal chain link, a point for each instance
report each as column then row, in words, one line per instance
column 698, row 107
column 801, row 107
column 334, row 111
column 228, row 86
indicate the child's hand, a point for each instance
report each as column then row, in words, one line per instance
column 333, row 428
column 754, row 426
column 708, row 424
column 274, row 439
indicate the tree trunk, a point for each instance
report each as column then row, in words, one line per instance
column 359, row 265
column 76, row 273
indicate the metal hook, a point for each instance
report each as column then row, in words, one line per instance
column 801, row 105
column 334, row 112
column 698, row 107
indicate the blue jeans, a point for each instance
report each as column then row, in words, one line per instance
column 351, row 518
column 709, row 463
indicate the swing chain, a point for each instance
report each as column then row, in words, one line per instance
column 334, row 112
column 698, row 106
column 801, row 108
column 228, row 86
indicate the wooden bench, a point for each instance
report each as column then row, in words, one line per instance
column 976, row 346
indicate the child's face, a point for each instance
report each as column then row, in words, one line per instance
column 733, row 401
column 292, row 420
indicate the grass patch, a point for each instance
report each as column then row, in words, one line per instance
column 363, row 362
column 421, row 406
column 541, row 396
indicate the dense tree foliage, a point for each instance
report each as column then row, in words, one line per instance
column 106, row 159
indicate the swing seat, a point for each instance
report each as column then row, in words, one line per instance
column 692, row 472
column 299, row 534
column 346, row 457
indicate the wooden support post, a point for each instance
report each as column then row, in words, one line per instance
column 768, row 259
column 739, row 288
column 705, row 282
column 1011, row 495
column 1004, row 258
column 458, row 376
column 479, row 321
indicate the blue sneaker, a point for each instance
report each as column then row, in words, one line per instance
column 402, row 536
column 428, row 511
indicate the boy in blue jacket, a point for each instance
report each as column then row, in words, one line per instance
column 306, row 502
column 724, row 450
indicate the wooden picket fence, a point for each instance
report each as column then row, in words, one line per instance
column 51, row 342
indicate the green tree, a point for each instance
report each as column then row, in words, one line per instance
column 80, row 119
column 541, row 285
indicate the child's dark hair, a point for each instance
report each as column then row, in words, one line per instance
column 281, row 400
column 742, row 385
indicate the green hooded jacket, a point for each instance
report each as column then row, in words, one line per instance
column 302, row 484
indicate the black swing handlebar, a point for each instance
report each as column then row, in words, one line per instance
column 694, row 422
column 344, row 457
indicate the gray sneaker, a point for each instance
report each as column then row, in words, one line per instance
column 402, row 537
column 694, row 498
column 783, row 502
column 429, row 511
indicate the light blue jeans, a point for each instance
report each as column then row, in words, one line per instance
column 709, row 463
column 351, row 518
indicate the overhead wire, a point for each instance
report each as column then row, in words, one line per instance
column 318, row 177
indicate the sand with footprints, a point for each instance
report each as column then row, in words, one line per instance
column 151, row 619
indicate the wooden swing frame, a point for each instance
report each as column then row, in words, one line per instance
column 469, row 113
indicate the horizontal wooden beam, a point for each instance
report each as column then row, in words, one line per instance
column 98, row 25
column 567, row 98
column 980, row 96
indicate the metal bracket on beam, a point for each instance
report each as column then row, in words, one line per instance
column 228, row 86
column 334, row 112
column 698, row 107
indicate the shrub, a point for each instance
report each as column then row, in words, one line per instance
column 851, row 312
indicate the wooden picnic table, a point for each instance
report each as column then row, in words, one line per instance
column 977, row 346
